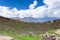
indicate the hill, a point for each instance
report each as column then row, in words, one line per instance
column 19, row 27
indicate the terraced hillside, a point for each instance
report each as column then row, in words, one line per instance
column 19, row 27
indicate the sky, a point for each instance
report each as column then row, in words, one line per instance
column 40, row 9
column 19, row 4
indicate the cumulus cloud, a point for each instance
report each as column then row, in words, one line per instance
column 32, row 6
column 35, row 13
column 53, row 10
column 7, row 12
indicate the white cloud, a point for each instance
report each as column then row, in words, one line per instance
column 35, row 13
column 7, row 12
column 53, row 10
column 32, row 6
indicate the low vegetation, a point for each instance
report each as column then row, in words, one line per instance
column 15, row 28
column 26, row 36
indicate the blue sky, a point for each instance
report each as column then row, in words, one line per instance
column 34, row 9
column 19, row 4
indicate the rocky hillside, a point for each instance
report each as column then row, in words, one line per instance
column 15, row 26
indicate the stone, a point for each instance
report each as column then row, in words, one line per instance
column 57, row 31
column 6, row 38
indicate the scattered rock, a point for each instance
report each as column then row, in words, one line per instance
column 31, row 34
column 50, row 37
column 57, row 31
column 6, row 38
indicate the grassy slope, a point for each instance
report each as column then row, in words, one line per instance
column 14, row 28
column 18, row 27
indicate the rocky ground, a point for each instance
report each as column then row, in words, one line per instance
column 6, row 38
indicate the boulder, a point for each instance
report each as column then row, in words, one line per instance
column 6, row 38
column 57, row 31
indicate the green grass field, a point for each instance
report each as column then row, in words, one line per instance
column 19, row 36
column 24, row 36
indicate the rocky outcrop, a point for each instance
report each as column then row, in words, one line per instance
column 50, row 37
